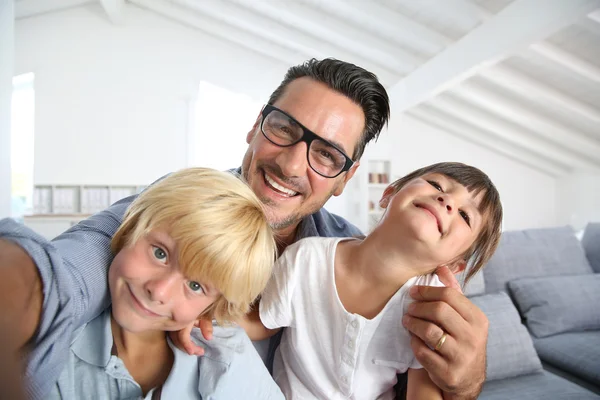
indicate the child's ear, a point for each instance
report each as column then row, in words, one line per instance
column 387, row 195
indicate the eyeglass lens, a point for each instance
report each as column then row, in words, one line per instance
column 322, row 157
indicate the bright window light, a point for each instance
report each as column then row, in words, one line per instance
column 222, row 120
column 22, row 137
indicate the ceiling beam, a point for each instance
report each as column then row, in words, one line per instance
column 243, row 19
column 31, row 8
column 532, row 88
column 455, row 127
column 263, row 18
column 510, row 132
column 314, row 17
column 390, row 25
column 521, row 115
column 567, row 60
column 218, row 29
column 113, row 10
column 516, row 26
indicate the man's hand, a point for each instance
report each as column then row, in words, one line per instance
column 183, row 339
column 458, row 366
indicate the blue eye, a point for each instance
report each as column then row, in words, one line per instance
column 195, row 287
column 159, row 254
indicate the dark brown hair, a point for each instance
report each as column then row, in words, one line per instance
column 354, row 82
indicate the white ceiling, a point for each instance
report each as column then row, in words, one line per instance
column 521, row 77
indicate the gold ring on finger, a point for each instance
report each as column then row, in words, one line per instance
column 441, row 342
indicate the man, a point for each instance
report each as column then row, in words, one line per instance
column 303, row 148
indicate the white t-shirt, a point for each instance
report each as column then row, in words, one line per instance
column 327, row 352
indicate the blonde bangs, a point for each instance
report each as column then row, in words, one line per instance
column 223, row 238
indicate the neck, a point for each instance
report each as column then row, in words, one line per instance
column 381, row 261
column 137, row 343
column 285, row 237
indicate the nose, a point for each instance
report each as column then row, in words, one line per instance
column 445, row 202
column 160, row 289
column 292, row 160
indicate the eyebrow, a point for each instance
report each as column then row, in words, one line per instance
column 333, row 142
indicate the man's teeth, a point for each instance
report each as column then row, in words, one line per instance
column 279, row 187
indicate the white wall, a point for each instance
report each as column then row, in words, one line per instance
column 529, row 197
column 579, row 199
column 112, row 104
column 112, row 101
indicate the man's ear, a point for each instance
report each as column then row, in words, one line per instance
column 255, row 127
column 342, row 184
column 387, row 195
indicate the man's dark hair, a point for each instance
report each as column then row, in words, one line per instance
column 356, row 83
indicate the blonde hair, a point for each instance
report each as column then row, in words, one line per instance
column 490, row 207
column 220, row 229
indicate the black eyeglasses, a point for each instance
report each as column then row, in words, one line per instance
column 325, row 158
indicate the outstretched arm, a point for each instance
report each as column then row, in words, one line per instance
column 50, row 288
column 458, row 366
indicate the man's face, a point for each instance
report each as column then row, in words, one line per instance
column 281, row 176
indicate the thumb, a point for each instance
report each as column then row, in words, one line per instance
column 447, row 277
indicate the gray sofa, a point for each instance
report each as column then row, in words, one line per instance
column 541, row 293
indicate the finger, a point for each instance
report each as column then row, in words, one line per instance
column 206, row 327
column 432, row 361
column 184, row 342
column 428, row 332
column 448, row 278
column 441, row 315
column 452, row 297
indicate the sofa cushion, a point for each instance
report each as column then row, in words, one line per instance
column 577, row 353
column 535, row 252
column 538, row 386
column 510, row 350
column 591, row 244
column 557, row 304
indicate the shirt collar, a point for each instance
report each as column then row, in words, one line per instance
column 94, row 343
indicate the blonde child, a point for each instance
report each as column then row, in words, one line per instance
column 342, row 299
column 196, row 243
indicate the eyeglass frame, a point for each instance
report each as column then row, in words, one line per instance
column 307, row 137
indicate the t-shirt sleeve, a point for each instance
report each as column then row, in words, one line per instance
column 276, row 303
column 426, row 280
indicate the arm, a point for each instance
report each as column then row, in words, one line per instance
column 254, row 326
column 20, row 296
column 458, row 368
column 49, row 289
column 420, row 386
column 20, row 307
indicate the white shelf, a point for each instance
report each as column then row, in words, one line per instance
column 78, row 200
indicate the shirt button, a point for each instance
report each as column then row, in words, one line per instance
column 351, row 344
column 354, row 324
column 344, row 379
